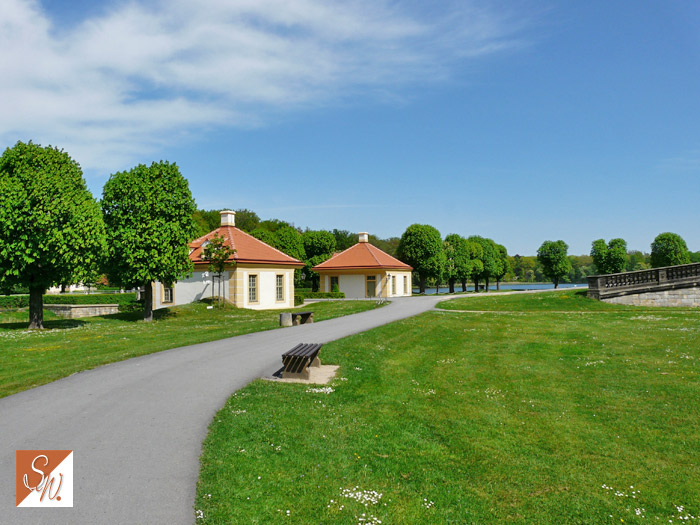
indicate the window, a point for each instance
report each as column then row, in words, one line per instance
column 405, row 285
column 167, row 294
column 393, row 285
column 334, row 284
column 279, row 287
column 252, row 288
column 371, row 286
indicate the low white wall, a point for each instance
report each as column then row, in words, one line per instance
column 194, row 288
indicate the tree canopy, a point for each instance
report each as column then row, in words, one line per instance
column 218, row 254
column 460, row 259
column 420, row 246
column 318, row 247
column 610, row 257
column 669, row 249
column 555, row 263
column 52, row 231
column 148, row 213
column 491, row 264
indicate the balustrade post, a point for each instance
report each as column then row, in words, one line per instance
column 661, row 276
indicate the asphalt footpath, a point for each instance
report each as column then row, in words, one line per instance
column 136, row 427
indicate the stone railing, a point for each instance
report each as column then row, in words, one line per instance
column 667, row 278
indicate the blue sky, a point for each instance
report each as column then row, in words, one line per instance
column 520, row 121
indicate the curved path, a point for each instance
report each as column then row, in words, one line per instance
column 136, row 427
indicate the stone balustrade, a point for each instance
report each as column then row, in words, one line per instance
column 644, row 281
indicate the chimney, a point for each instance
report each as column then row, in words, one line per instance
column 228, row 218
column 363, row 236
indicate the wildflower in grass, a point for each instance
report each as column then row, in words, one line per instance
column 323, row 390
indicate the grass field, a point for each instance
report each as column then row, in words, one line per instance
column 32, row 358
column 545, row 415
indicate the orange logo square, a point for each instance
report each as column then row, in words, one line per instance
column 44, row 478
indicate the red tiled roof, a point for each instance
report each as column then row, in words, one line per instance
column 248, row 248
column 362, row 255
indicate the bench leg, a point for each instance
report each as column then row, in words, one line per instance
column 285, row 319
column 316, row 362
column 305, row 374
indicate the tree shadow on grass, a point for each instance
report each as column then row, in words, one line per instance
column 54, row 324
column 137, row 315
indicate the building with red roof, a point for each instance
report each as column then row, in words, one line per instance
column 258, row 276
column 365, row 271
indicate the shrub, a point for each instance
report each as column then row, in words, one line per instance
column 298, row 299
column 322, row 295
column 126, row 301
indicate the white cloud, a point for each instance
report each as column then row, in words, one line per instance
column 130, row 81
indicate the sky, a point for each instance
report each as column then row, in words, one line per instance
column 523, row 121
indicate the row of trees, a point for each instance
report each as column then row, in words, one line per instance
column 453, row 260
column 54, row 232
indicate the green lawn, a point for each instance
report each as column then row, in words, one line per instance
column 450, row 417
column 32, row 358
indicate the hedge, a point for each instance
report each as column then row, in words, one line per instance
column 323, row 295
column 126, row 301
column 298, row 299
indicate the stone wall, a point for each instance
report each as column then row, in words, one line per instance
column 74, row 311
column 680, row 297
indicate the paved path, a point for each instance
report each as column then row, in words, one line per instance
column 136, row 427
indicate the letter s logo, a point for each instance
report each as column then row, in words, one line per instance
column 43, row 477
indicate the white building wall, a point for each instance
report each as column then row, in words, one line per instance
column 400, row 290
column 353, row 286
column 194, row 288
column 267, row 289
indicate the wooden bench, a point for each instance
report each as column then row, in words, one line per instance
column 296, row 318
column 298, row 360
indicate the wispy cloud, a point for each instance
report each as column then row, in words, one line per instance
column 146, row 75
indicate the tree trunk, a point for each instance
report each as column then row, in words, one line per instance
column 452, row 286
column 487, row 284
column 498, row 284
column 476, row 285
column 148, row 303
column 464, row 285
column 556, row 283
column 36, row 308
column 421, row 284
column 437, row 286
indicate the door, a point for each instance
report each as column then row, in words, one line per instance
column 371, row 285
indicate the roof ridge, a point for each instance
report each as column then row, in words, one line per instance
column 372, row 253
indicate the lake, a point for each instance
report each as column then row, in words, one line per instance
column 506, row 286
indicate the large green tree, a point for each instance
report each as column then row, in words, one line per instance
column 148, row 214
column 247, row 220
column 318, row 247
column 421, row 247
column 460, row 259
column 669, row 249
column 51, row 229
column 553, row 258
column 491, row 265
column 610, row 257
column 503, row 264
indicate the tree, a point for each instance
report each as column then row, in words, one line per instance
column 318, row 247
column 265, row 236
column 343, row 239
column 459, row 260
column 490, row 261
column 148, row 213
column 503, row 266
column 218, row 255
column 421, row 247
column 247, row 220
column 52, row 230
column 555, row 263
column 611, row 257
column 206, row 221
column 669, row 249
column 476, row 254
